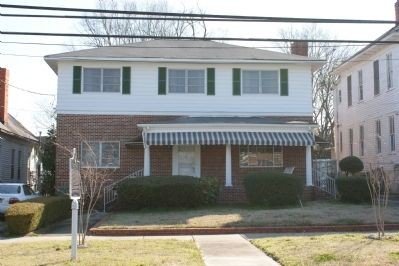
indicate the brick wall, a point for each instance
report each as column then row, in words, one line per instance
column 72, row 129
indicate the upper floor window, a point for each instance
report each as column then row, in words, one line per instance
column 340, row 141
column 351, row 142
column 349, row 87
column 376, row 70
column 360, row 80
column 392, row 133
column 101, row 80
column 340, row 96
column 100, row 154
column 378, row 135
column 260, row 82
column 361, row 140
column 389, row 71
column 261, row 156
column 186, row 81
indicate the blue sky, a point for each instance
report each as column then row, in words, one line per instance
column 32, row 73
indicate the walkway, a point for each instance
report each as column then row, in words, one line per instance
column 232, row 250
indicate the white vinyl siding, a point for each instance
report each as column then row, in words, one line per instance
column 100, row 154
column 186, row 81
column 392, row 141
column 260, row 82
column 101, row 79
column 389, row 71
column 261, row 156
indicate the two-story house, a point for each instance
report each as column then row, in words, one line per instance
column 181, row 107
column 367, row 105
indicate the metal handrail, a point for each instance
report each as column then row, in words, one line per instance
column 110, row 193
column 326, row 183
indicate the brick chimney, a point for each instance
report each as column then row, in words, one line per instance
column 397, row 12
column 300, row 48
column 3, row 95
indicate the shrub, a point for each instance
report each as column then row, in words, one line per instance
column 351, row 164
column 273, row 188
column 353, row 189
column 167, row 192
column 27, row 216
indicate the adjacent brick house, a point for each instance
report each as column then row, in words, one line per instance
column 197, row 108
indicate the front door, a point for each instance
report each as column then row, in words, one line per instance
column 186, row 160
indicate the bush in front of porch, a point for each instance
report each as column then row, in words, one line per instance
column 273, row 188
column 167, row 192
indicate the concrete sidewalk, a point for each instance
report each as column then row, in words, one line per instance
column 232, row 250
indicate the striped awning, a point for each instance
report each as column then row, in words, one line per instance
column 233, row 138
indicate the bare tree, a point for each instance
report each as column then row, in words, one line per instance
column 181, row 27
column 323, row 80
column 379, row 184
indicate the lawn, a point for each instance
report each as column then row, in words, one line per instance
column 313, row 213
column 104, row 252
column 336, row 249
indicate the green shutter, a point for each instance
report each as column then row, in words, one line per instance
column 210, row 76
column 284, row 82
column 161, row 80
column 77, row 79
column 236, row 81
column 126, row 72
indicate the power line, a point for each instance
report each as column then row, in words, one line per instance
column 53, row 34
column 202, row 16
column 26, row 90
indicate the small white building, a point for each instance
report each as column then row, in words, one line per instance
column 367, row 105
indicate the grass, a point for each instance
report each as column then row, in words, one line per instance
column 313, row 213
column 103, row 252
column 335, row 249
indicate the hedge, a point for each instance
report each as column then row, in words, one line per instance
column 27, row 216
column 167, row 192
column 351, row 164
column 353, row 189
column 273, row 188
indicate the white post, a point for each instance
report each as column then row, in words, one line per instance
column 147, row 161
column 309, row 178
column 228, row 166
column 74, row 229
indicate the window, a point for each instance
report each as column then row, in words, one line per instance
column 349, row 86
column 376, row 69
column 260, row 82
column 101, row 154
column 186, row 81
column 351, row 142
column 392, row 133
column 12, row 165
column 340, row 96
column 378, row 135
column 389, row 71
column 19, row 165
column 101, row 80
column 261, row 156
column 360, row 79
column 340, row 141
column 361, row 140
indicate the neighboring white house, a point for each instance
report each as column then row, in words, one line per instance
column 184, row 107
column 367, row 105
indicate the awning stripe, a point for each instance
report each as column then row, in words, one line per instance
column 233, row 138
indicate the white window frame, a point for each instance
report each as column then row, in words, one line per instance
column 360, row 85
column 389, row 69
column 378, row 134
column 100, row 154
column 102, row 80
column 260, row 82
column 262, row 166
column 392, row 135
column 186, row 81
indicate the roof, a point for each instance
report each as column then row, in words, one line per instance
column 230, row 120
column 14, row 128
column 180, row 50
column 369, row 50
